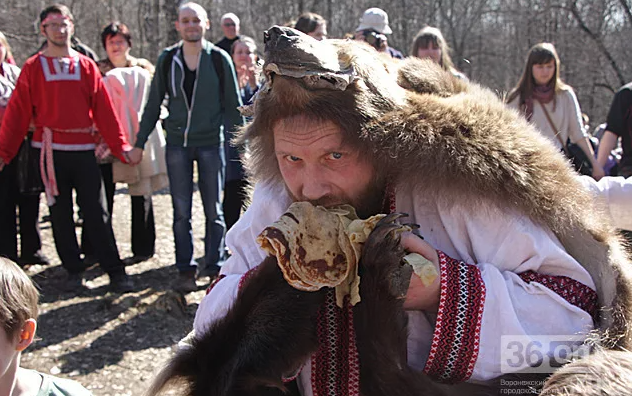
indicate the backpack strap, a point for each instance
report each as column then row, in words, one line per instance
column 218, row 64
column 166, row 67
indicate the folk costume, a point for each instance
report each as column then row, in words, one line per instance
column 65, row 97
column 501, row 274
column 523, row 251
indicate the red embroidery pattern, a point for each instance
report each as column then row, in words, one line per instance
column 335, row 366
column 455, row 342
column 215, row 281
column 389, row 199
column 293, row 376
column 247, row 276
column 574, row 292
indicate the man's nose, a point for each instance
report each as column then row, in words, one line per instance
column 315, row 185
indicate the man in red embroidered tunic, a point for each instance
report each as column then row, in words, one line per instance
column 497, row 206
column 63, row 92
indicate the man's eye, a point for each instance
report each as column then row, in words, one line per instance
column 292, row 158
column 335, row 155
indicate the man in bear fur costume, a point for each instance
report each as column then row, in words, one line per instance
column 520, row 248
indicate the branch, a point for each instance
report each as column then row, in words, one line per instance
column 626, row 9
column 21, row 37
column 606, row 86
column 598, row 41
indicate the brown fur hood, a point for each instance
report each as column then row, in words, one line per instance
column 445, row 137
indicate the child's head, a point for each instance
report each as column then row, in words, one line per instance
column 18, row 299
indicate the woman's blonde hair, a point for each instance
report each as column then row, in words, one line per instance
column 5, row 43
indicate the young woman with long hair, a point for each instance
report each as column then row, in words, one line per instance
column 549, row 103
column 430, row 43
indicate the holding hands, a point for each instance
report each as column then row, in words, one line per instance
column 134, row 156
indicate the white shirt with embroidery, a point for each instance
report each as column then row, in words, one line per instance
column 498, row 243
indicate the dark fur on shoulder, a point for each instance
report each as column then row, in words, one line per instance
column 270, row 332
column 267, row 334
column 383, row 362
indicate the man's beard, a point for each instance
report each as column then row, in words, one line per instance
column 58, row 43
column 368, row 203
column 192, row 38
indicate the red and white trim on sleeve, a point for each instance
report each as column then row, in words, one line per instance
column 215, row 281
column 574, row 292
column 336, row 365
column 455, row 342
column 247, row 276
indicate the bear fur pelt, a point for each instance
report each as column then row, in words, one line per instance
column 270, row 332
column 441, row 136
column 430, row 132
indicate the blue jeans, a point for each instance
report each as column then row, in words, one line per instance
column 211, row 167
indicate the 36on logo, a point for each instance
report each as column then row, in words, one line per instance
column 539, row 353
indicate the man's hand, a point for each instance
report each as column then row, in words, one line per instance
column 1, row 164
column 420, row 297
column 135, row 155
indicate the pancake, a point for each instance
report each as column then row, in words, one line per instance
column 316, row 247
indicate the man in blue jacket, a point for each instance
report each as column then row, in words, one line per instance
column 200, row 81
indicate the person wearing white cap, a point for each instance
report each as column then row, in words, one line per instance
column 373, row 29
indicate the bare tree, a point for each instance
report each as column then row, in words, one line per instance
column 489, row 38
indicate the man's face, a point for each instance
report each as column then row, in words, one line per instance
column 192, row 24
column 230, row 28
column 57, row 30
column 317, row 167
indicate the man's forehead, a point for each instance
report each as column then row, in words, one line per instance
column 302, row 124
column 189, row 10
column 56, row 17
column 321, row 135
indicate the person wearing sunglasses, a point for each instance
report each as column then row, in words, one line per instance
column 230, row 27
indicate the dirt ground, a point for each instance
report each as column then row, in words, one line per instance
column 115, row 344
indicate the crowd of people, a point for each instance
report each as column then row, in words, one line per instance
column 193, row 133
column 146, row 124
